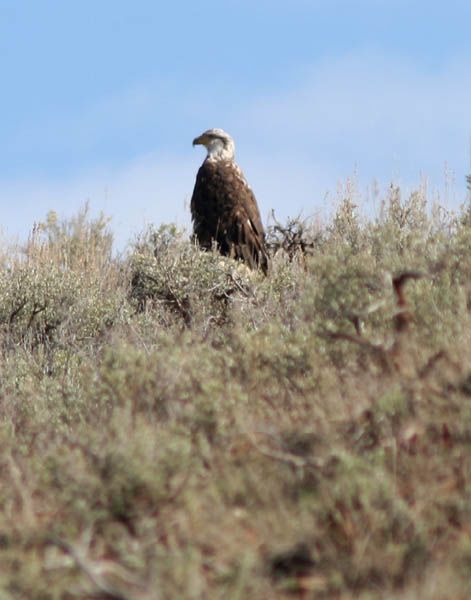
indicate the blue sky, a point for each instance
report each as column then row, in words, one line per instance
column 100, row 101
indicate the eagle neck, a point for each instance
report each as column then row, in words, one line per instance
column 219, row 151
column 214, row 160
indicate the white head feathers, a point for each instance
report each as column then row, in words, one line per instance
column 218, row 143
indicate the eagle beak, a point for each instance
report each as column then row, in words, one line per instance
column 200, row 140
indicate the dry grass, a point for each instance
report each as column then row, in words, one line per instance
column 173, row 426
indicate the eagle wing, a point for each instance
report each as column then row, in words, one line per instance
column 224, row 210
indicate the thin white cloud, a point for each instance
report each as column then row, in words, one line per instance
column 373, row 114
column 148, row 190
column 372, row 111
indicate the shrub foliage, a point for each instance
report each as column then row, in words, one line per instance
column 175, row 426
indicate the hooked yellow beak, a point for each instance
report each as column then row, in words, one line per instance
column 199, row 140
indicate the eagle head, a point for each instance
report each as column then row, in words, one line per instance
column 218, row 143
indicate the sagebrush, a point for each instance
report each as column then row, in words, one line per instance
column 174, row 425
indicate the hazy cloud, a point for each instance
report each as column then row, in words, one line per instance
column 369, row 114
column 376, row 113
column 148, row 190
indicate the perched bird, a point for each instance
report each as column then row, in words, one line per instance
column 223, row 207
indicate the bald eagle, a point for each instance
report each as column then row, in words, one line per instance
column 223, row 207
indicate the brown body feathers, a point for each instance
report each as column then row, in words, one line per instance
column 224, row 209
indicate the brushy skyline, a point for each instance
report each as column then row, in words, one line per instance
column 101, row 103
